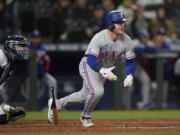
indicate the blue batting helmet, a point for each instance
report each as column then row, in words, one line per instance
column 113, row 17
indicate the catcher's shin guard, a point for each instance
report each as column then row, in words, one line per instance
column 16, row 113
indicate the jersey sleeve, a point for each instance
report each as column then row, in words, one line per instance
column 94, row 46
column 129, row 53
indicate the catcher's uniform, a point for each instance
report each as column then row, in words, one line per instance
column 15, row 47
column 6, row 72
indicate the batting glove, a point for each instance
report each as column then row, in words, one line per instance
column 106, row 73
column 128, row 81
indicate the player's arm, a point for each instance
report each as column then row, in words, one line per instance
column 146, row 49
column 47, row 62
column 105, row 72
column 92, row 53
column 139, row 50
column 130, row 63
column 93, row 63
column 130, row 69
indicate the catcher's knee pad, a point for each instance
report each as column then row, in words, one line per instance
column 16, row 113
column 3, row 119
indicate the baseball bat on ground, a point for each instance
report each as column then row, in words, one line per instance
column 53, row 107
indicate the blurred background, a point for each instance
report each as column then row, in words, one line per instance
column 60, row 30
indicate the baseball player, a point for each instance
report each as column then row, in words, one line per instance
column 96, row 66
column 143, row 45
column 15, row 48
column 43, row 62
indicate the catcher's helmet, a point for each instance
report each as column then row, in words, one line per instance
column 114, row 16
column 13, row 41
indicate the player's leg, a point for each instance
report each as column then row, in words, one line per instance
column 50, row 81
column 96, row 90
column 165, row 92
column 127, row 97
column 145, row 89
column 91, row 93
column 15, row 113
column 87, row 92
column 3, row 115
column 72, row 99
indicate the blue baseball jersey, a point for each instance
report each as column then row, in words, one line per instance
column 40, row 56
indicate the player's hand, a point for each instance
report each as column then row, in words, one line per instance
column 128, row 81
column 106, row 73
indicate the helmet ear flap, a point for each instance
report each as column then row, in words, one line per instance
column 111, row 26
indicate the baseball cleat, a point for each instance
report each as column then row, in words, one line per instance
column 86, row 122
column 50, row 111
column 16, row 113
column 143, row 106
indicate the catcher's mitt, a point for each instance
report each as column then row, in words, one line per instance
column 16, row 113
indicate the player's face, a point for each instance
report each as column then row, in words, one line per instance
column 159, row 39
column 36, row 41
column 144, row 40
column 119, row 28
column 20, row 48
column 23, row 51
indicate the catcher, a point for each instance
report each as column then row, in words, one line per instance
column 15, row 48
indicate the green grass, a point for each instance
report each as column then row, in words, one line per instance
column 110, row 115
column 122, row 133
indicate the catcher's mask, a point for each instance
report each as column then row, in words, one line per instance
column 18, row 45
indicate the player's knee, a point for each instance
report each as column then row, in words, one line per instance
column 99, row 94
column 3, row 119
column 53, row 82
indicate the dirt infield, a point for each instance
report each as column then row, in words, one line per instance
column 101, row 126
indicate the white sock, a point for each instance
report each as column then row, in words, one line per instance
column 58, row 104
column 1, row 111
